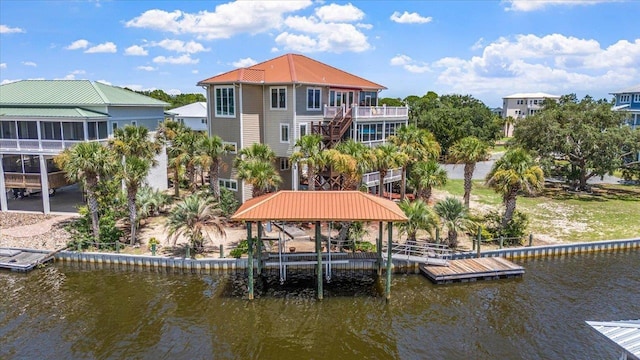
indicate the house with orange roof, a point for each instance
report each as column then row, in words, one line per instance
column 279, row 100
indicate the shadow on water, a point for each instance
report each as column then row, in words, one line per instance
column 303, row 285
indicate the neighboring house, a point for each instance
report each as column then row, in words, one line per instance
column 497, row 111
column 519, row 106
column 193, row 115
column 40, row 118
column 278, row 101
column 628, row 100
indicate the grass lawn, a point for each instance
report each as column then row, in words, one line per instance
column 609, row 212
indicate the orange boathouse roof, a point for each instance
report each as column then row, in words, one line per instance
column 293, row 68
column 319, row 206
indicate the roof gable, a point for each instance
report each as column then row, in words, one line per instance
column 70, row 93
column 293, row 68
column 197, row 109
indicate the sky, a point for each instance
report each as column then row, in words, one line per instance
column 487, row 49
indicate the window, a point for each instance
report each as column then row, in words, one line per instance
column 225, row 102
column 279, row 98
column 97, row 130
column 636, row 97
column 313, row 98
column 624, row 98
column 228, row 184
column 284, row 133
column 519, row 102
column 231, row 147
column 370, row 132
column 28, row 130
column 368, row 98
column 284, row 164
column 303, row 130
column 391, row 128
column 72, row 131
column 8, row 130
column 339, row 98
column 134, row 123
column 114, row 127
column 203, row 121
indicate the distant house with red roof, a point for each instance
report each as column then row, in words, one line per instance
column 278, row 101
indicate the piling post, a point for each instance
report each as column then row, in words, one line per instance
column 530, row 239
column 389, row 262
column 379, row 247
column 479, row 240
column 501, row 241
column 437, row 235
column 153, row 249
column 319, row 256
column 259, row 247
column 221, row 251
column 250, row 259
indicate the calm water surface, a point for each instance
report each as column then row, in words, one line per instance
column 74, row 313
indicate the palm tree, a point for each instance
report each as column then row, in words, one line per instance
column 254, row 165
column 186, row 154
column 387, row 156
column 133, row 174
column 260, row 174
column 195, row 217
column 211, row 149
column 418, row 144
column 88, row 162
column 513, row 173
column 138, row 151
column 455, row 216
column 309, row 153
column 167, row 134
column 424, row 176
column 354, row 161
column 420, row 216
column 469, row 151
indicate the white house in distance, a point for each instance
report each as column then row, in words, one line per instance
column 519, row 106
column 628, row 101
column 41, row 118
column 193, row 115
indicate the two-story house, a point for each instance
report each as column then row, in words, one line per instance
column 278, row 101
column 519, row 106
column 41, row 118
column 628, row 100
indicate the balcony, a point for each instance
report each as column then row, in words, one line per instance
column 45, row 146
column 373, row 178
column 364, row 113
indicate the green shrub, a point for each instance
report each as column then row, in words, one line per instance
column 82, row 235
column 513, row 233
column 228, row 203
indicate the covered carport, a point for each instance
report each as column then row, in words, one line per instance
column 317, row 207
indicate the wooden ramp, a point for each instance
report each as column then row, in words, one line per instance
column 16, row 259
column 463, row 270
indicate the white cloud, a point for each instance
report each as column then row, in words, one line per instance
column 107, row 47
column 274, row 49
column 364, row 26
column 136, row 50
column 29, row 63
column 246, row 62
column 3, row 65
column 478, row 45
column 410, row 18
column 339, row 13
column 319, row 36
column 4, row 29
column 180, row 46
column 553, row 63
column 194, row 71
column 531, row 5
column 146, row 68
column 72, row 75
column 409, row 64
column 224, row 22
column 181, row 60
column 78, row 44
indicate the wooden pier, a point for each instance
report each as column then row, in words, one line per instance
column 464, row 270
column 16, row 259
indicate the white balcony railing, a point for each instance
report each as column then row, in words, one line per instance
column 373, row 178
column 39, row 145
column 368, row 112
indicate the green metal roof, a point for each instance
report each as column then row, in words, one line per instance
column 70, row 92
column 70, row 112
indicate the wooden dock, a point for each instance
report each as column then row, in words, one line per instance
column 464, row 270
column 16, row 259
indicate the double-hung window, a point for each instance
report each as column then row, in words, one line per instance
column 284, row 133
column 279, row 98
column 313, row 99
column 225, row 101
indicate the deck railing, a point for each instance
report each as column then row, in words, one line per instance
column 40, row 145
column 373, row 178
column 368, row 112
